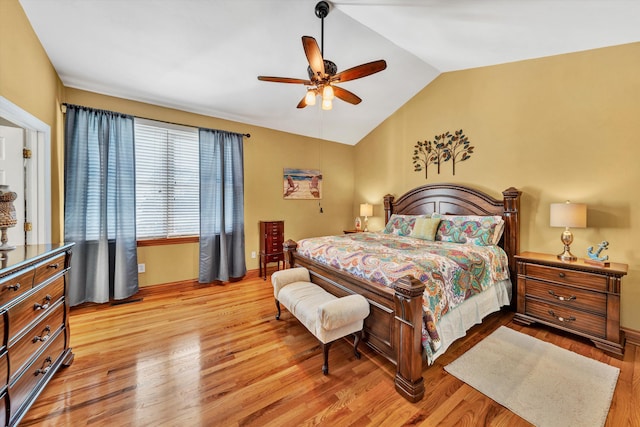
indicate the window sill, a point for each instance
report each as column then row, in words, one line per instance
column 168, row 241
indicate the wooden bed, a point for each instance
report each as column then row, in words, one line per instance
column 394, row 327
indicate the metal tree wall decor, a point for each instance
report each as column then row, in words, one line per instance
column 445, row 147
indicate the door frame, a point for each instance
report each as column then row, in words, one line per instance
column 38, row 140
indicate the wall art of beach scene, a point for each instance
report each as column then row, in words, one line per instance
column 302, row 184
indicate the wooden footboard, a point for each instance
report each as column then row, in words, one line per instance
column 394, row 326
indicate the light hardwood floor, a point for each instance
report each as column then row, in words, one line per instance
column 192, row 355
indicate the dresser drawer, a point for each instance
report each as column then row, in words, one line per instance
column 4, row 370
column 3, row 409
column 567, row 296
column 274, row 257
column 576, row 320
column 597, row 282
column 3, row 321
column 49, row 268
column 24, row 385
column 21, row 351
column 273, row 227
column 15, row 285
column 26, row 311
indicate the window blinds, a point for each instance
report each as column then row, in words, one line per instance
column 167, row 187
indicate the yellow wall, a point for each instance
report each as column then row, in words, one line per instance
column 266, row 154
column 556, row 128
column 28, row 80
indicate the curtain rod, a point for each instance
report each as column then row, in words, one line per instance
column 63, row 107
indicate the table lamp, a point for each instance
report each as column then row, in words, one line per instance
column 7, row 215
column 568, row 215
column 366, row 210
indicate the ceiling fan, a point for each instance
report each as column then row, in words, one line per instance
column 323, row 74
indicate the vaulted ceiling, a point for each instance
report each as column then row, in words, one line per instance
column 204, row 56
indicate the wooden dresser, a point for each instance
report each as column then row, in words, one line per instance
column 573, row 296
column 35, row 324
column 271, row 240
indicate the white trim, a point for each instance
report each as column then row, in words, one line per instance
column 39, row 140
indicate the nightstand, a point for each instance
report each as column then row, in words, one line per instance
column 351, row 231
column 573, row 296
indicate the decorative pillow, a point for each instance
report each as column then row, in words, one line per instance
column 425, row 228
column 402, row 225
column 470, row 229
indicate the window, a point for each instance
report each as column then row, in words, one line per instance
column 167, row 180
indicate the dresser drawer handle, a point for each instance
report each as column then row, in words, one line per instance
column 44, row 306
column 46, row 333
column 56, row 265
column 561, row 274
column 14, row 287
column 561, row 298
column 562, row 319
column 48, row 362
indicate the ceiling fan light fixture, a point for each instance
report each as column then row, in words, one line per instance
column 310, row 98
column 323, row 74
column 327, row 93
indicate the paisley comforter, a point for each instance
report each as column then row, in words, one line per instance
column 452, row 272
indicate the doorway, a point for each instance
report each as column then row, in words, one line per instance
column 28, row 177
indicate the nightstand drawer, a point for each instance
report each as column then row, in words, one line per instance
column 581, row 279
column 576, row 320
column 567, row 296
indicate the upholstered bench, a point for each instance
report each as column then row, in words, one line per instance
column 326, row 316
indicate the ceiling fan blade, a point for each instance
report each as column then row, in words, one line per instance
column 346, row 96
column 284, row 80
column 359, row 71
column 302, row 103
column 314, row 56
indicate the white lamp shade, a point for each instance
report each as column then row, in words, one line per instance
column 310, row 97
column 366, row 209
column 568, row 215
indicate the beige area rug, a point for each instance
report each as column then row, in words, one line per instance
column 541, row 382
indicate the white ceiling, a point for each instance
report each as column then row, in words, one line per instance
column 204, row 56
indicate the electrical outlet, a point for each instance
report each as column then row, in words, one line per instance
column 253, row 254
column 141, row 268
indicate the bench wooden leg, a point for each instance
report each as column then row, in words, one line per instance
column 325, row 351
column 356, row 341
column 278, row 307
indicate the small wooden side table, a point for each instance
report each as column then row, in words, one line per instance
column 351, row 231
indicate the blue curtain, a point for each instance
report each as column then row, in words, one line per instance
column 221, row 206
column 99, row 210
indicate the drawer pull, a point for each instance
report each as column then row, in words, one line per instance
column 561, row 274
column 561, row 298
column 48, row 362
column 43, row 306
column 14, row 287
column 562, row 319
column 56, row 265
column 46, row 333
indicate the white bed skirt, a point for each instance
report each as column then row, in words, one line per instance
column 457, row 322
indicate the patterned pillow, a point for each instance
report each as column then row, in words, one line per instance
column 470, row 229
column 402, row 225
column 426, row 228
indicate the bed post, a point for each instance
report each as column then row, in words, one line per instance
column 388, row 207
column 290, row 248
column 408, row 337
column 512, row 230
